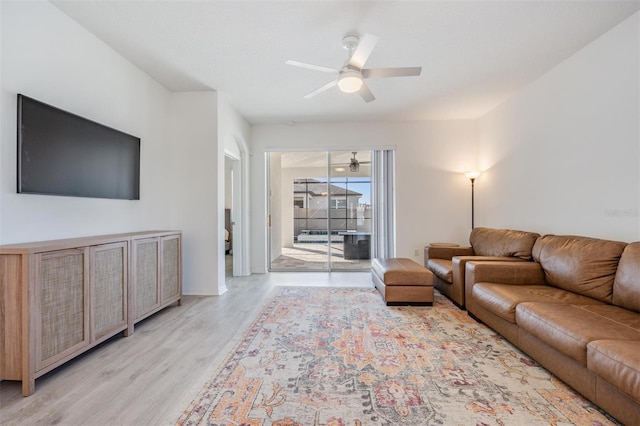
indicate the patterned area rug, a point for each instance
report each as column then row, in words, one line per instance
column 338, row 357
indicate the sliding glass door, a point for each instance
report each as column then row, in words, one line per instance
column 350, row 209
column 320, row 211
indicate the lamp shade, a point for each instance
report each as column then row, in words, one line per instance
column 472, row 175
column 350, row 81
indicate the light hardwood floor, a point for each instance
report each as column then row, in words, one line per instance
column 145, row 379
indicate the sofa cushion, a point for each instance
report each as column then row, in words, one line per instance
column 442, row 268
column 582, row 265
column 622, row 316
column 502, row 299
column 626, row 286
column 569, row 328
column 502, row 242
column 618, row 363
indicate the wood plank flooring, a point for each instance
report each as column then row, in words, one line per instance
column 145, row 379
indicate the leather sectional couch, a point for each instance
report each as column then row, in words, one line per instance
column 575, row 309
column 448, row 262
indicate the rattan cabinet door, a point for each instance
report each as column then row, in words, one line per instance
column 171, row 282
column 146, row 264
column 108, row 290
column 62, row 314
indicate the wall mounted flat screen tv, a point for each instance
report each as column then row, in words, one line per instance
column 60, row 153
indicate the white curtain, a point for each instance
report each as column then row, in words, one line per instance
column 383, row 200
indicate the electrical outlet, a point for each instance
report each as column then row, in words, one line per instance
column 416, row 252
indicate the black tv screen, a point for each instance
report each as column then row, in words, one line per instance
column 60, row 153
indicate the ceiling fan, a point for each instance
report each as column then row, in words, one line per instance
column 350, row 78
column 354, row 163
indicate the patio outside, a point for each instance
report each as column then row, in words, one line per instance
column 341, row 220
column 314, row 256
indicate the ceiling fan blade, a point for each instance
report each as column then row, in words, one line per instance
column 324, row 88
column 366, row 94
column 391, row 72
column 362, row 52
column 312, row 67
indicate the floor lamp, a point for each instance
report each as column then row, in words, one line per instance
column 472, row 176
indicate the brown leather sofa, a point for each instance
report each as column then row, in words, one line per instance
column 487, row 244
column 575, row 310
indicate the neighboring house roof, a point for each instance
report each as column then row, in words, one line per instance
column 319, row 189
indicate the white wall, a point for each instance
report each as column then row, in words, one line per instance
column 432, row 195
column 47, row 56
column 560, row 156
column 563, row 155
column 195, row 196
column 202, row 122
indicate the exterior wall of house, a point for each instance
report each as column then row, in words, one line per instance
column 562, row 155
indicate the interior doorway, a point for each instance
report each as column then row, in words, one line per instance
column 229, row 211
column 320, row 211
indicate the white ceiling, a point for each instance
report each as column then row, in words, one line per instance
column 473, row 53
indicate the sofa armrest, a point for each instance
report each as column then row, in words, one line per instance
column 459, row 263
column 434, row 252
column 512, row 273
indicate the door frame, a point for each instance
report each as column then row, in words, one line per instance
column 236, row 151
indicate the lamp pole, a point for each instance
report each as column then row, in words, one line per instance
column 472, row 177
column 473, row 181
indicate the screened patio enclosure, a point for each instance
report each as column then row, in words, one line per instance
column 321, row 211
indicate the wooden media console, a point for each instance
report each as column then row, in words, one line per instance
column 60, row 298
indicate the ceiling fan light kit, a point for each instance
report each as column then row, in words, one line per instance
column 350, row 78
column 350, row 81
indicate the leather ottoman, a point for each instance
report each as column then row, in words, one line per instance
column 402, row 281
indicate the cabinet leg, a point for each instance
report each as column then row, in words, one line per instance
column 179, row 302
column 129, row 331
column 28, row 386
